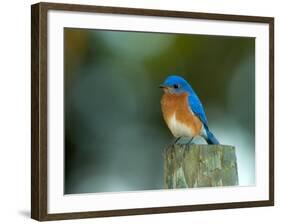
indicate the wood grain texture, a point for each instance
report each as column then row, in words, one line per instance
column 39, row 112
column 189, row 166
column 35, row 191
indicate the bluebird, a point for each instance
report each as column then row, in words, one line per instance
column 183, row 111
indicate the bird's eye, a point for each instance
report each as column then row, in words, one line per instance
column 176, row 86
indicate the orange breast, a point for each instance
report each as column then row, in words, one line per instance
column 178, row 116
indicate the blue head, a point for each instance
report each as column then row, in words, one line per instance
column 176, row 85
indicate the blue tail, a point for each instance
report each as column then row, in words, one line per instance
column 210, row 138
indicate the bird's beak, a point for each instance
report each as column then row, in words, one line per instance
column 163, row 86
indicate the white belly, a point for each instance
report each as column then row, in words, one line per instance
column 178, row 129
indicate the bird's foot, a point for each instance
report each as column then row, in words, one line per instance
column 190, row 141
column 176, row 140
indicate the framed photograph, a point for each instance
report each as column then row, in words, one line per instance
column 107, row 141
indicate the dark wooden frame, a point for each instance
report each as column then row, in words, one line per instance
column 39, row 105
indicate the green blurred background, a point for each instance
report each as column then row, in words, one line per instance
column 114, row 131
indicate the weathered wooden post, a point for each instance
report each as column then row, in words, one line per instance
column 188, row 166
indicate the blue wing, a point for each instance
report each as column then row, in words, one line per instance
column 197, row 108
